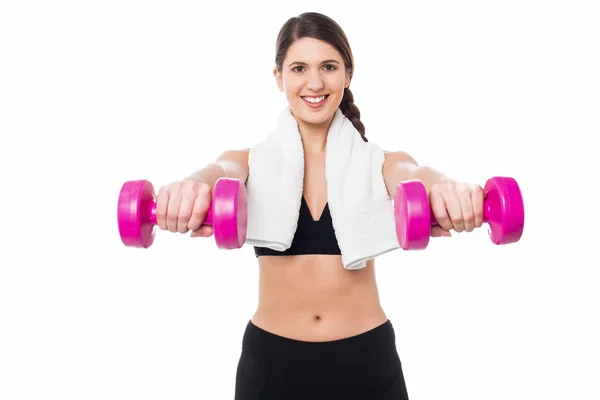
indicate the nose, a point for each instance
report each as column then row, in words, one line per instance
column 315, row 81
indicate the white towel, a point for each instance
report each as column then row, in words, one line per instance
column 361, row 209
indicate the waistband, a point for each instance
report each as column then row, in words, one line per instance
column 376, row 344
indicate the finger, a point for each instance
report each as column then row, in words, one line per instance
column 467, row 208
column 437, row 231
column 477, row 200
column 173, row 211
column 454, row 208
column 203, row 231
column 438, row 208
column 162, row 201
column 200, row 207
column 185, row 209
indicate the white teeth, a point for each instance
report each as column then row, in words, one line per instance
column 314, row 99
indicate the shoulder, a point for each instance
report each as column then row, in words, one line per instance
column 235, row 163
column 398, row 166
column 394, row 158
column 234, row 155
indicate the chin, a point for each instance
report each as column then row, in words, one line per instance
column 314, row 116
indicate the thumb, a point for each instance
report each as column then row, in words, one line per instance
column 203, row 231
column 437, row 231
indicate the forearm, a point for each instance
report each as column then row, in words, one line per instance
column 231, row 164
column 428, row 175
column 208, row 174
column 401, row 167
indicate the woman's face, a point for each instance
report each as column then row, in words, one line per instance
column 313, row 77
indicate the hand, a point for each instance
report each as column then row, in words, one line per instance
column 182, row 207
column 456, row 205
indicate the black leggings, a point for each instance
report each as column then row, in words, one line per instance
column 366, row 366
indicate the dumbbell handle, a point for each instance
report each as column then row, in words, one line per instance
column 149, row 215
column 491, row 211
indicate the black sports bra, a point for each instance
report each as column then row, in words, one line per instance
column 311, row 237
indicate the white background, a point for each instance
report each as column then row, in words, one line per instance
column 96, row 93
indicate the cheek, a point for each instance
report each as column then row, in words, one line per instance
column 291, row 86
column 336, row 84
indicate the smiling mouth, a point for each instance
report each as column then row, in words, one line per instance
column 315, row 101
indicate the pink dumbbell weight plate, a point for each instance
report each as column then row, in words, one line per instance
column 227, row 214
column 503, row 211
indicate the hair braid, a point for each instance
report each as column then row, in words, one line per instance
column 351, row 111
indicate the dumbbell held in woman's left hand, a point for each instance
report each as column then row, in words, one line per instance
column 503, row 210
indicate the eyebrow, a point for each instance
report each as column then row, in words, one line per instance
column 324, row 62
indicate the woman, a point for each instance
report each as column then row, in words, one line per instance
column 319, row 330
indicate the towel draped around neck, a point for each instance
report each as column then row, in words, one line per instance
column 361, row 209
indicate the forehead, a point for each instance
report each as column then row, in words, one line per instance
column 311, row 51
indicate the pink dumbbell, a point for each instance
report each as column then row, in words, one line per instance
column 227, row 214
column 503, row 210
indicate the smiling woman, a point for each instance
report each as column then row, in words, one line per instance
column 319, row 330
column 313, row 81
column 314, row 318
column 314, row 66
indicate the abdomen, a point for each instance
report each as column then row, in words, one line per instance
column 313, row 298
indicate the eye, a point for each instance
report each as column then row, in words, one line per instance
column 330, row 67
column 296, row 69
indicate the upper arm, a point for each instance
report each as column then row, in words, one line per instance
column 234, row 164
column 398, row 166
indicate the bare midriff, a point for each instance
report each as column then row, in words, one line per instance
column 314, row 298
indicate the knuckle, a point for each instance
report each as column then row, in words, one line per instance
column 443, row 221
column 469, row 218
column 164, row 189
column 441, row 216
column 200, row 212
column 174, row 186
column 479, row 219
column 182, row 218
column 172, row 215
column 457, row 223
column 204, row 190
column 438, row 188
column 189, row 186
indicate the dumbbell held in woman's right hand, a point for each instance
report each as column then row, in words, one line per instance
column 227, row 214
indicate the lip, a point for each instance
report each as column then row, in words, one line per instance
column 316, row 105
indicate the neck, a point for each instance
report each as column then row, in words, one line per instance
column 314, row 136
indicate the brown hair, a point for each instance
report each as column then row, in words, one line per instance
column 321, row 27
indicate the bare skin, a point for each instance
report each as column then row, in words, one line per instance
column 313, row 297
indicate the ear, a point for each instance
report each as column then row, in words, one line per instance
column 347, row 82
column 278, row 79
